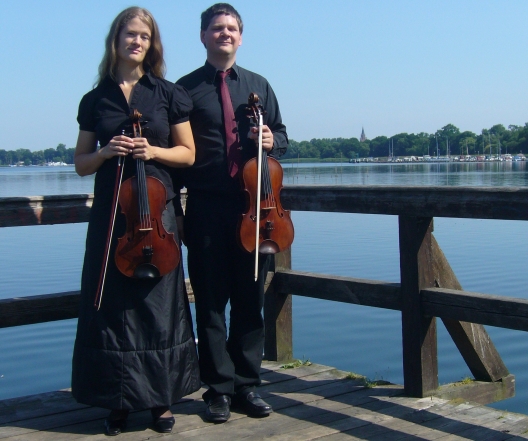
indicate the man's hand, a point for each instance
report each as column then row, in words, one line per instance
column 267, row 137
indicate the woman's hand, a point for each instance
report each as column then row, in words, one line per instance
column 143, row 150
column 120, row 145
column 88, row 158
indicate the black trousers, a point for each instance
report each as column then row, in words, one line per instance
column 220, row 271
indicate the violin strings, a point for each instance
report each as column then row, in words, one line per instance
column 267, row 192
column 145, row 221
column 143, row 195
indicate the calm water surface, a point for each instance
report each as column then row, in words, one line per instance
column 487, row 256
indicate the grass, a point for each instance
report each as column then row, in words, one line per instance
column 467, row 380
column 296, row 363
column 464, row 381
column 365, row 381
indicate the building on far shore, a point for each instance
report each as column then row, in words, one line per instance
column 362, row 137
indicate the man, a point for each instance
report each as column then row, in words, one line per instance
column 220, row 271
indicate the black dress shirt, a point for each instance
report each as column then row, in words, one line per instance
column 210, row 170
column 105, row 111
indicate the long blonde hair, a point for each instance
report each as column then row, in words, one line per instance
column 153, row 61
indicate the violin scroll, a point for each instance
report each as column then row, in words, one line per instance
column 254, row 109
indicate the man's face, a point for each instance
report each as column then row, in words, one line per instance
column 223, row 36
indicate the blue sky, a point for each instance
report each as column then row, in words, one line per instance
column 336, row 65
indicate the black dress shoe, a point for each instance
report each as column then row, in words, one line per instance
column 114, row 427
column 217, row 410
column 252, row 404
column 163, row 424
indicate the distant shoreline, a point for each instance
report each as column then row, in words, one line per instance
column 406, row 159
column 380, row 160
column 39, row 165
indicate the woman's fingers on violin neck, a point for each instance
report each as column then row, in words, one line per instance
column 140, row 142
column 141, row 152
column 117, row 148
column 122, row 142
column 123, row 138
column 143, row 156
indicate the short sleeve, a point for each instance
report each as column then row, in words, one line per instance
column 85, row 116
column 180, row 106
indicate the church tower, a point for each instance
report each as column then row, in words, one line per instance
column 362, row 137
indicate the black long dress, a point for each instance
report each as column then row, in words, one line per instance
column 137, row 351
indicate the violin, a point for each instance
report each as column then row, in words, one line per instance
column 265, row 226
column 146, row 250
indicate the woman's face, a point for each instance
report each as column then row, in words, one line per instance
column 134, row 42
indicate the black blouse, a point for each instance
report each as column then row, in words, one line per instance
column 105, row 111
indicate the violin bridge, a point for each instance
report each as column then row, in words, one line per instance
column 146, row 229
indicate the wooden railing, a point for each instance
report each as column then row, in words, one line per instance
column 428, row 287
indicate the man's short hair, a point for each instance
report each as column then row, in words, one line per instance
column 217, row 9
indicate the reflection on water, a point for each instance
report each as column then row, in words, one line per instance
column 489, row 174
column 487, row 255
column 33, row 181
column 43, row 181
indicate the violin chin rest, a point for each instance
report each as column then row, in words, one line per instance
column 268, row 247
column 146, row 271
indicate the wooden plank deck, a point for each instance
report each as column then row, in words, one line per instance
column 310, row 402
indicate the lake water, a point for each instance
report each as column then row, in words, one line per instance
column 487, row 256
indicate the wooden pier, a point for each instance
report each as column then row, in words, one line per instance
column 317, row 402
column 310, row 403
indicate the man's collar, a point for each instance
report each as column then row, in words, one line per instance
column 211, row 71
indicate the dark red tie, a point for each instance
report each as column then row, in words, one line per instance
column 232, row 140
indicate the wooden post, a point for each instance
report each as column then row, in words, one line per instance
column 278, row 344
column 420, row 362
column 471, row 339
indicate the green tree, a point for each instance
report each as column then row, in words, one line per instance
column 379, row 146
column 49, row 154
column 61, row 150
column 38, row 158
column 448, row 137
column 68, row 155
column 402, row 144
column 308, row 150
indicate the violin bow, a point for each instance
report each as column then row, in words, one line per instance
column 259, row 185
column 102, row 276
column 255, row 112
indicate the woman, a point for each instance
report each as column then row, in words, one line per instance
column 137, row 351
